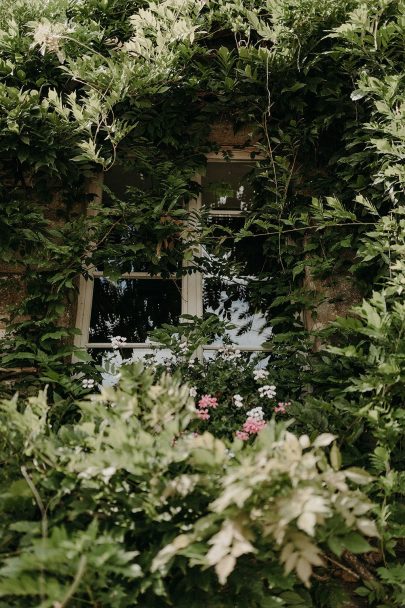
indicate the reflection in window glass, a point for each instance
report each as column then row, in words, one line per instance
column 118, row 180
column 112, row 360
column 230, row 285
column 234, row 301
column 133, row 307
column 260, row 359
column 225, row 187
column 245, row 257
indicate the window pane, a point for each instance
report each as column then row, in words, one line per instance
column 224, row 185
column 236, row 302
column 129, row 241
column 245, row 257
column 133, row 307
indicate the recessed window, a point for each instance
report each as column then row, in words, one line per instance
column 228, row 284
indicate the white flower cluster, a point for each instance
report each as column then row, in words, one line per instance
column 260, row 374
column 238, row 400
column 193, row 392
column 256, row 413
column 222, row 200
column 117, row 341
column 228, row 354
column 240, row 192
column 267, row 391
column 183, row 347
column 88, row 383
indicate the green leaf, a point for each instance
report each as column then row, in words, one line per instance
column 356, row 543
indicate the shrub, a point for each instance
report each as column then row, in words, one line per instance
column 128, row 507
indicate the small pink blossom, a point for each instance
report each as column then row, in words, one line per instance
column 253, row 426
column 208, row 401
column 242, row 435
column 280, row 408
column 203, row 414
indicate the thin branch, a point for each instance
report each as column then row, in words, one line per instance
column 38, row 499
column 81, row 568
column 94, row 246
column 342, row 567
column 278, row 232
column 354, row 562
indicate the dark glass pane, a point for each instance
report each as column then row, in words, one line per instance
column 133, row 307
column 131, row 241
column 225, row 256
column 235, row 301
column 225, row 187
column 118, row 180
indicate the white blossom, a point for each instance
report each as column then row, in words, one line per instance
column 48, row 37
column 183, row 346
column 256, row 413
column 267, row 391
column 238, row 400
column 117, row 342
column 193, row 392
column 260, row 374
column 88, row 383
column 107, row 473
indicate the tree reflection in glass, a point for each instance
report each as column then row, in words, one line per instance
column 225, row 187
column 233, row 275
column 133, row 307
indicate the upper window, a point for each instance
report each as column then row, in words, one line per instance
column 226, row 284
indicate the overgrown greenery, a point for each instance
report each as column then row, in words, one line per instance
column 135, row 512
column 88, row 84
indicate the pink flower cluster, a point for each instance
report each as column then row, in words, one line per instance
column 242, row 435
column 208, row 401
column 280, row 408
column 250, row 427
column 253, row 426
column 203, row 406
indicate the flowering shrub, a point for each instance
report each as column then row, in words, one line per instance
column 128, row 507
column 234, row 397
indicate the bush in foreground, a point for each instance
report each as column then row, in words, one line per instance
column 129, row 507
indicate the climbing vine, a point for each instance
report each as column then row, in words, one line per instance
column 318, row 87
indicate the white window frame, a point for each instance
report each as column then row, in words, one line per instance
column 191, row 284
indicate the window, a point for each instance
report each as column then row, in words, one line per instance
column 227, row 287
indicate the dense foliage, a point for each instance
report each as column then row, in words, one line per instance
column 89, row 84
column 137, row 510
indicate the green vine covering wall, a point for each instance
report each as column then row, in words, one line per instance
column 316, row 87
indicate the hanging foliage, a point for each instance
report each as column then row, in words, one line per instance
column 90, row 85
